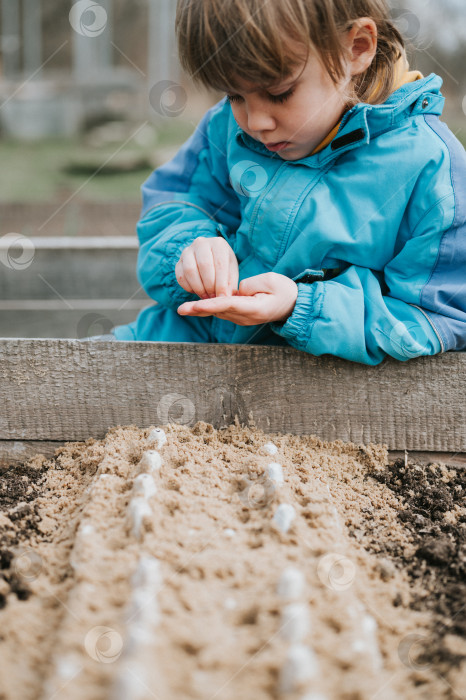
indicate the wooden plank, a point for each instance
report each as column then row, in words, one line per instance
column 64, row 286
column 77, row 243
column 19, row 451
column 71, row 321
column 76, row 304
column 451, row 459
column 65, row 268
column 68, row 390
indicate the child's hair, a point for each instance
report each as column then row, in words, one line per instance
column 262, row 42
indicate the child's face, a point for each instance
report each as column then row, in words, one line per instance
column 309, row 107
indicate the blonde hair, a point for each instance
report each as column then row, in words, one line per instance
column 221, row 40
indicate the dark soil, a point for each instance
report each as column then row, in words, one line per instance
column 20, row 485
column 15, row 481
column 428, row 495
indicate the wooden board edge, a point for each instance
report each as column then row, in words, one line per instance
column 450, row 459
column 19, row 451
column 91, row 243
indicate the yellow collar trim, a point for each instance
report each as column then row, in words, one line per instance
column 402, row 77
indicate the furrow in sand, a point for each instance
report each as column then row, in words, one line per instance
column 213, row 564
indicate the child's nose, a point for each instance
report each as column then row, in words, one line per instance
column 260, row 119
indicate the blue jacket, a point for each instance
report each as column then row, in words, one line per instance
column 372, row 228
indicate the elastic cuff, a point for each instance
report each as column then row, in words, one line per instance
column 294, row 325
column 177, row 293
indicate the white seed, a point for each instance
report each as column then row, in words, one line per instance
column 275, row 473
column 148, row 573
column 144, row 485
column 131, row 682
column 81, row 544
column 228, row 532
column 284, row 516
column 141, row 635
column 295, row 622
column 86, row 530
column 150, row 462
column 230, row 604
column 139, row 512
column 291, row 583
column 143, row 610
column 368, row 642
column 270, row 448
column 299, row 668
column 369, row 625
column 143, row 615
column 336, row 519
column 68, row 667
column 158, row 436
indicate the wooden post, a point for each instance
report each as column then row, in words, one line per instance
column 162, row 58
column 10, row 37
column 159, row 41
column 92, row 53
column 32, row 37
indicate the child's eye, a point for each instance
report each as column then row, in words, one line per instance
column 281, row 98
column 273, row 98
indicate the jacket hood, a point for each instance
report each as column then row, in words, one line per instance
column 365, row 121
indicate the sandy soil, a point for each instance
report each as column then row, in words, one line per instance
column 194, row 573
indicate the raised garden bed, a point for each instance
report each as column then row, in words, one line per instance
column 270, row 549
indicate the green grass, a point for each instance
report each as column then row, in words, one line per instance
column 37, row 171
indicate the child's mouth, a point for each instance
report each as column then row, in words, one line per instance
column 277, row 146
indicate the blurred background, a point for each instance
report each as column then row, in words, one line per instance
column 92, row 99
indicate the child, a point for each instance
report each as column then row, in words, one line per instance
column 324, row 183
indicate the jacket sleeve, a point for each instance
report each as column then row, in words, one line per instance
column 405, row 311
column 188, row 197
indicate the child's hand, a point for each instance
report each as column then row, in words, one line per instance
column 260, row 299
column 208, row 267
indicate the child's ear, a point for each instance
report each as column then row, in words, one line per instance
column 362, row 43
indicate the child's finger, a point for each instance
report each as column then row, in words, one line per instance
column 233, row 276
column 182, row 281
column 190, row 272
column 221, row 262
column 203, row 254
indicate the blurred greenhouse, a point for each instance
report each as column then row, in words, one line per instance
column 68, row 65
column 92, row 99
column 93, row 96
